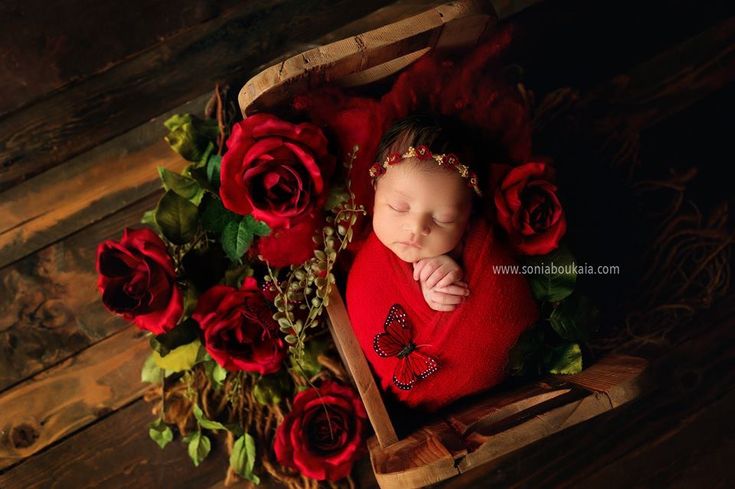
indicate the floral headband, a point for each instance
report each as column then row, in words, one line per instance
column 422, row 153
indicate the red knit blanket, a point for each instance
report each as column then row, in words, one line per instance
column 470, row 344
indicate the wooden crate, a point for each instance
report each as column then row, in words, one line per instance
column 479, row 430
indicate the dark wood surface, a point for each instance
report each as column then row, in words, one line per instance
column 71, row 175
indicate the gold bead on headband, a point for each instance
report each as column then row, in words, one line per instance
column 422, row 153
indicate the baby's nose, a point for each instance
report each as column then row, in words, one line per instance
column 419, row 227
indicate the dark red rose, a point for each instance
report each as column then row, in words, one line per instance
column 275, row 170
column 292, row 246
column 137, row 280
column 239, row 330
column 324, row 433
column 529, row 209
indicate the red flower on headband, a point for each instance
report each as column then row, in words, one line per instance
column 423, row 153
column 394, row 158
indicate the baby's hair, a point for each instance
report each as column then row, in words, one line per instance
column 440, row 134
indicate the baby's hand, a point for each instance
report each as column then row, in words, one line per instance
column 441, row 285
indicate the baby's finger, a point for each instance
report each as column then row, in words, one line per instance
column 417, row 267
column 449, row 278
column 442, row 298
column 428, row 269
column 435, row 277
column 453, row 290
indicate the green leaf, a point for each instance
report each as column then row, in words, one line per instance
column 190, row 136
column 236, row 239
column 183, row 334
column 206, row 423
column 160, row 433
column 149, row 219
column 559, row 282
column 271, row 389
column 184, row 186
column 525, row 356
column 242, row 458
column 219, row 374
column 151, row 372
column 575, row 318
column 178, row 359
column 177, row 218
column 564, row 359
column 258, row 228
column 214, row 215
column 199, row 447
column 213, row 168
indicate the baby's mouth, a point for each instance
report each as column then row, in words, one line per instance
column 410, row 244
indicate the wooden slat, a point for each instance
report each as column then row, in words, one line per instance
column 81, row 116
column 354, row 359
column 116, row 452
column 87, row 188
column 503, row 423
column 632, row 445
column 45, row 46
column 50, row 308
column 368, row 56
column 71, row 395
column 670, row 82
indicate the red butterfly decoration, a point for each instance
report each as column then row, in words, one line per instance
column 397, row 341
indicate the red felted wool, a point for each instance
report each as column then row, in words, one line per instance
column 470, row 344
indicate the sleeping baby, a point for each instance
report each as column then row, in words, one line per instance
column 434, row 319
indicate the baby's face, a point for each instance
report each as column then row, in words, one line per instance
column 420, row 214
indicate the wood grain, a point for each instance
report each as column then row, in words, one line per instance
column 368, row 56
column 116, row 452
column 50, row 308
column 71, row 395
column 647, row 442
column 86, row 188
column 81, row 116
column 46, row 46
column 353, row 358
column 503, row 421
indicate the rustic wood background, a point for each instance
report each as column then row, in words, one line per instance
column 85, row 87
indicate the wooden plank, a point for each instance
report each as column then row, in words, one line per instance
column 81, row 116
column 504, row 422
column 669, row 82
column 45, row 46
column 696, row 453
column 87, row 188
column 116, row 452
column 690, row 378
column 49, row 305
column 71, row 395
column 354, row 359
column 368, row 56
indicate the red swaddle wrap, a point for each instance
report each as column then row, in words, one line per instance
column 470, row 344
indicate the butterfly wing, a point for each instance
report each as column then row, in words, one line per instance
column 397, row 333
column 422, row 365
column 413, row 367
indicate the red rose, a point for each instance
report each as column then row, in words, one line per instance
column 239, row 330
column 292, row 246
column 323, row 434
column 137, row 280
column 529, row 210
column 275, row 170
